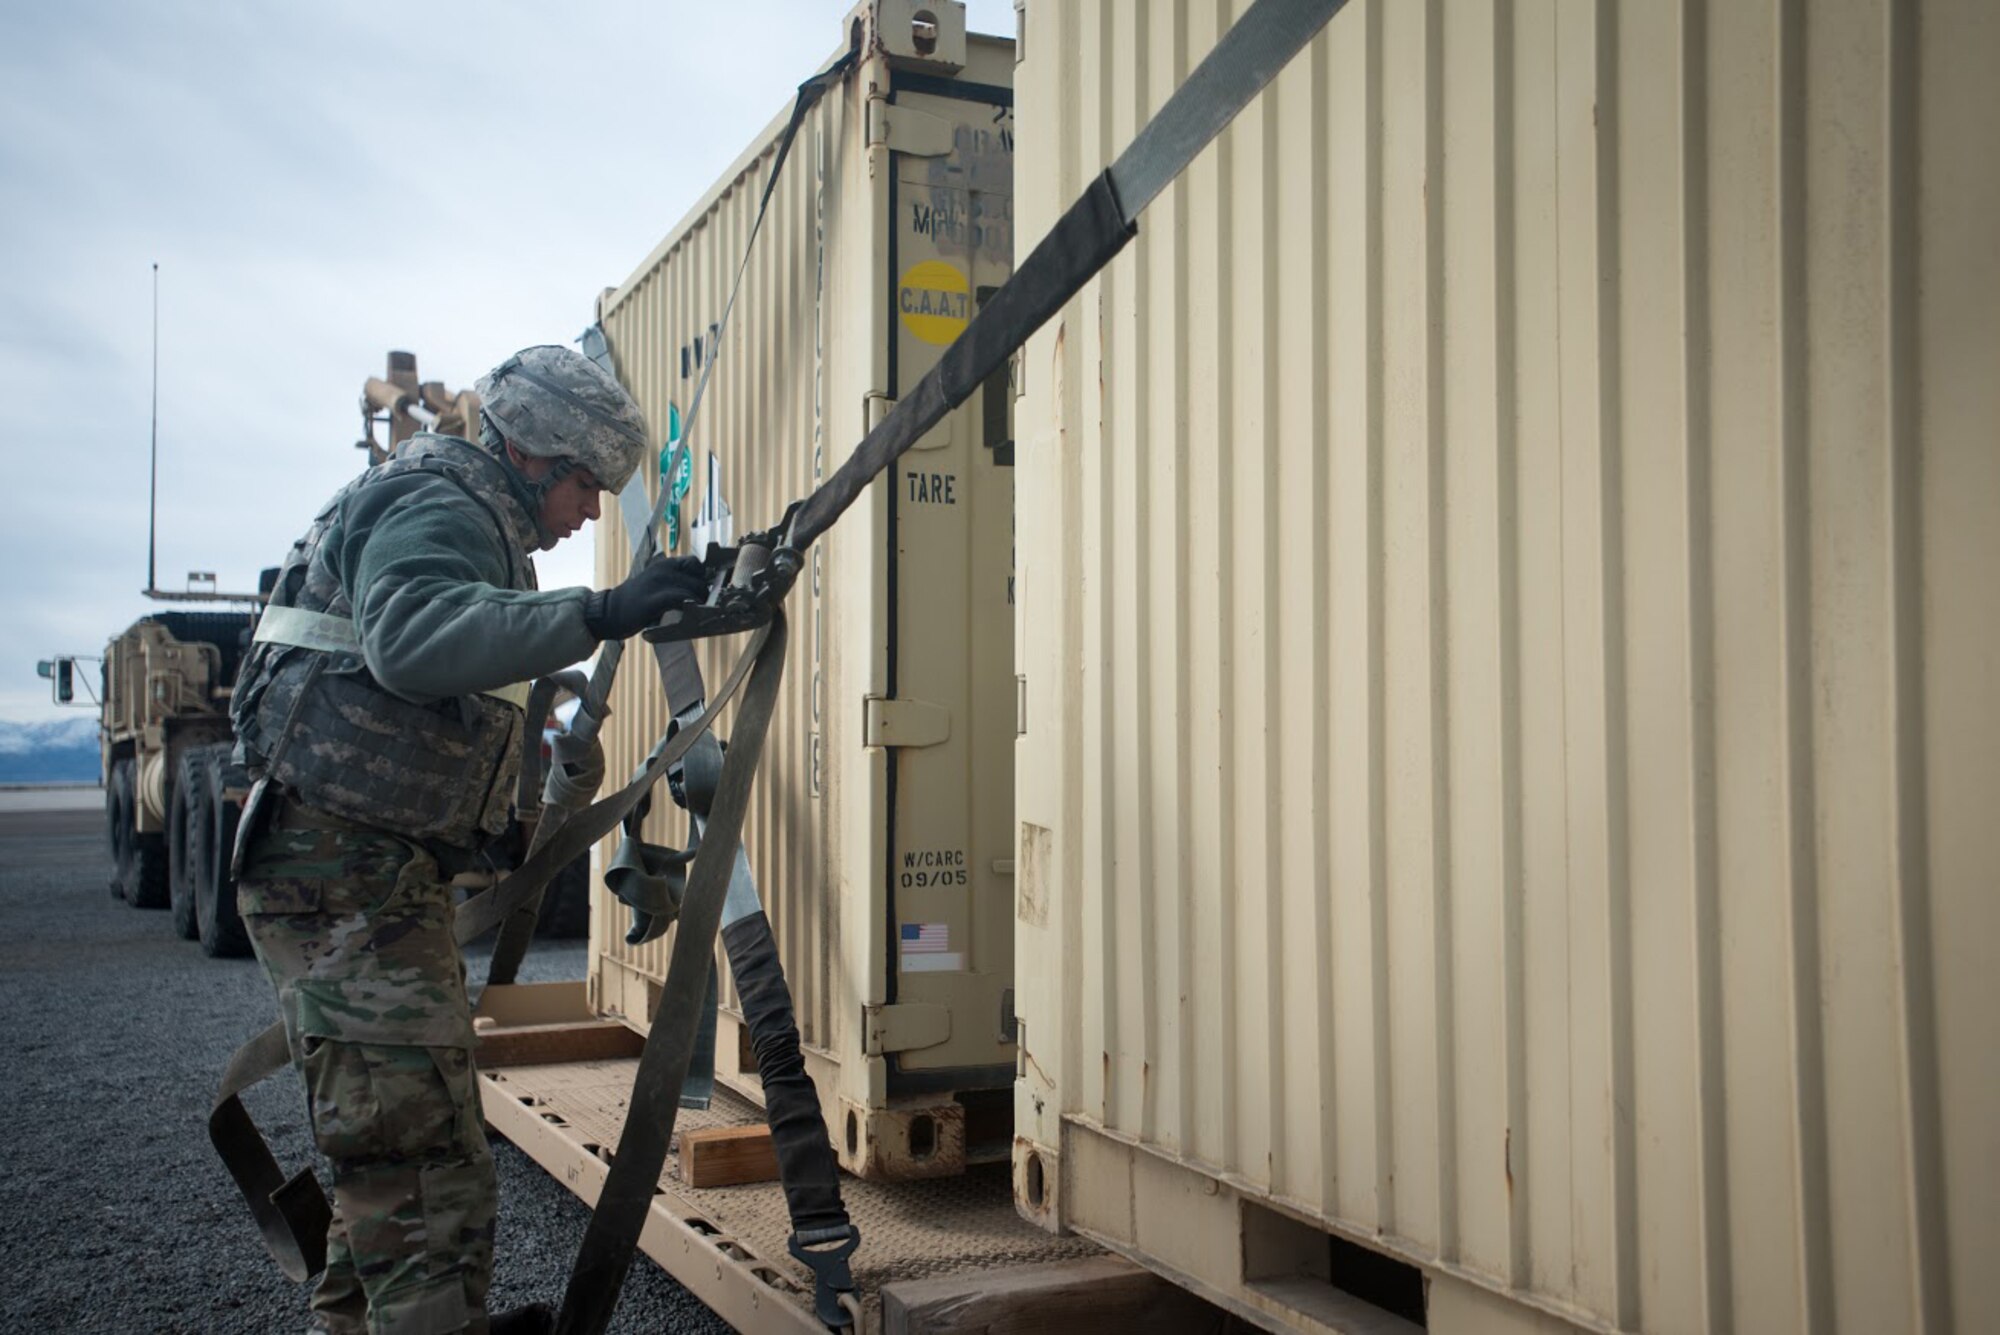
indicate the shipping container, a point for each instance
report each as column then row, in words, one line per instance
column 1508, row 645
column 881, row 832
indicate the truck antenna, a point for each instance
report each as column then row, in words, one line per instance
column 153, row 496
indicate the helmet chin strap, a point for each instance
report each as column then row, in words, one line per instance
column 540, row 493
column 534, row 491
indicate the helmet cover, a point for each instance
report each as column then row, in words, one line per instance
column 555, row 403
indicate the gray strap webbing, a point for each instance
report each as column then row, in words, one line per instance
column 634, row 1178
column 330, row 634
column 292, row 1212
column 1082, row 242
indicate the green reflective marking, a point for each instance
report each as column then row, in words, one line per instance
column 676, row 476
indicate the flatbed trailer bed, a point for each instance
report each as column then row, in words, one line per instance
column 555, row 1080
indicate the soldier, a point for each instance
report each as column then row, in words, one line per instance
column 381, row 712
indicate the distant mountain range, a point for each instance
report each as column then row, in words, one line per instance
column 56, row 751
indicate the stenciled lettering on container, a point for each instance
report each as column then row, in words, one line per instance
column 934, row 301
column 933, row 868
column 932, row 488
column 956, row 222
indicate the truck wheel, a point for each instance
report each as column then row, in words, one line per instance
column 222, row 932
column 118, row 810
column 565, row 911
column 176, row 840
column 148, row 887
column 187, row 831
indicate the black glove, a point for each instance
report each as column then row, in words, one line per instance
column 651, row 591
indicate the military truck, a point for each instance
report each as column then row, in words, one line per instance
column 172, row 793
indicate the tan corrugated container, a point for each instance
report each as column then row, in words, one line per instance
column 891, row 215
column 1510, row 638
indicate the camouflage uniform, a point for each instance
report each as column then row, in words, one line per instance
column 353, row 921
column 355, row 930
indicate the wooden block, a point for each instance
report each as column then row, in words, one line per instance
column 1101, row 1293
column 725, row 1156
column 512, row 1004
column 547, row 1044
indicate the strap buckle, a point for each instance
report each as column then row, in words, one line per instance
column 745, row 585
column 831, row 1274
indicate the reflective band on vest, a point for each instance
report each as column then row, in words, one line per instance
column 336, row 635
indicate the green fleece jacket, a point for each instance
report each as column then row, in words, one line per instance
column 442, row 605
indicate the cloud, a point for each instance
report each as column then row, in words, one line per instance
column 318, row 184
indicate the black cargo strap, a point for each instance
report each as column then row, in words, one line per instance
column 292, row 1212
column 528, row 784
column 653, row 882
column 634, row 1176
column 807, row 1169
column 1083, row 241
column 650, row 880
column 576, row 772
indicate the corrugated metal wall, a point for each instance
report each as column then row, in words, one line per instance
column 1510, row 636
column 858, row 839
column 762, row 419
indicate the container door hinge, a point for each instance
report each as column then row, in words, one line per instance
column 875, row 410
column 1021, row 705
column 906, row 130
column 903, row 1028
column 886, row 722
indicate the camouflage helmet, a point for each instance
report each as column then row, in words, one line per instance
column 555, row 403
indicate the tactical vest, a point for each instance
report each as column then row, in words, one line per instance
column 311, row 715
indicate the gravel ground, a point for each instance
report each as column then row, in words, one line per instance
column 115, row 1215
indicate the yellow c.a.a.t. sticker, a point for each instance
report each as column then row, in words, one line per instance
column 934, row 301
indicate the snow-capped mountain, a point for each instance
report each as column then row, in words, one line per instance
column 56, row 751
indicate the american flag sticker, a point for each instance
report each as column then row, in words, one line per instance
column 926, row 948
column 926, row 938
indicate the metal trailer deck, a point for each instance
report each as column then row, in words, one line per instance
column 555, row 1079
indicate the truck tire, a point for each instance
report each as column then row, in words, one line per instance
column 118, row 813
column 565, row 911
column 187, row 831
column 177, row 839
column 147, row 889
column 140, row 859
column 221, row 928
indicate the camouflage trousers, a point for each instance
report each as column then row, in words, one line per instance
column 354, row 928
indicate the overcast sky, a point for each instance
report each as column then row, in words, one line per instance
column 319, row 184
